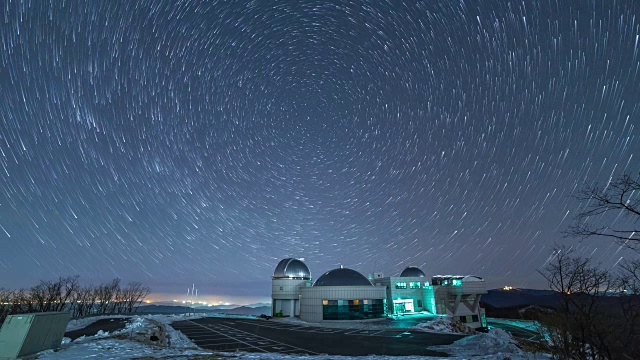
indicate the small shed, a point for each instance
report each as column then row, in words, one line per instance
column 27, row 334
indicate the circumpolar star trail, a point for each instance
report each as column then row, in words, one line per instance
column 180, row 142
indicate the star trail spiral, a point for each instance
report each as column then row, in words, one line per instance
column 173, row 142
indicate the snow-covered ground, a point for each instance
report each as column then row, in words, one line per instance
column 441, row 325
column 76, row 324
column 122, row 345
column 119, row 344
column 497, row 344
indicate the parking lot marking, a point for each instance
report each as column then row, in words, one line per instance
column 297, row 328
column 315, row 329
column 232, row 338
column 267, row 339
column 273, row 324
column 209, row 337
column 193, row 330
column 221, row 344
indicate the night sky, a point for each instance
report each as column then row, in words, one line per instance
column 179, row 142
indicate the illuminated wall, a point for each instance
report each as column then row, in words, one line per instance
column 285, row 296
column 319, row 301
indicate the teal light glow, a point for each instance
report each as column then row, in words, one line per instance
column 401, row 285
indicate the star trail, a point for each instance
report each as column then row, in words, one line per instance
column 180, row 142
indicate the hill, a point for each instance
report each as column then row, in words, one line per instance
column 500, row 298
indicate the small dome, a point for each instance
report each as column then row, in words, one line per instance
column 412, row 271
column 291, row 268
column 342, row 277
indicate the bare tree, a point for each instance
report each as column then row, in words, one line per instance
column 105, row 294
column 596, row 318
column 38, row 298
column 135, row 293
column 85, row 299
column 66, row 294
column 617, row 204
column 6, row 303
column 68, row 286
column 52, row 295
column 628, row 289
column 119, row 301
column 22, row 302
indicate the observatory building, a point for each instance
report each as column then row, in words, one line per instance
column 345, row 294
column 290, row 275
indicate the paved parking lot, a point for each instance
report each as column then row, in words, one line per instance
column 228, row 334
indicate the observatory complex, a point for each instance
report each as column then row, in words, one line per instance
column 345, row 294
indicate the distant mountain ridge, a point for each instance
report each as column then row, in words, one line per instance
column 213, row 306
column 501, row 298
column 172, row 309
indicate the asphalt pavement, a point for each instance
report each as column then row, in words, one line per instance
column 268, row 336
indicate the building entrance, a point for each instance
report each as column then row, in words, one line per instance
column 403, row 306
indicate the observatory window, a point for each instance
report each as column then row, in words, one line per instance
column 401, row 285
column 352, row 309
column 414, row 285
column 456, row 282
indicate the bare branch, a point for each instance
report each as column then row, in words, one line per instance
column 616, row 199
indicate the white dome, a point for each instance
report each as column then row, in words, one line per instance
column 291, row 268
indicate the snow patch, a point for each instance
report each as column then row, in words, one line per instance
column 120, row 344
column 497, row 344
column 444, row 325
column 76, row 324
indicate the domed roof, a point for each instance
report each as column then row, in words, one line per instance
column 342, row 277
column 412, row 271
column 291, row 268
